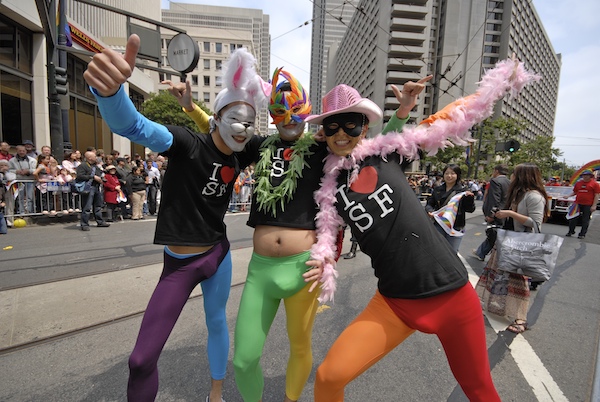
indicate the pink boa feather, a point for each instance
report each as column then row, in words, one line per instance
column 509, row 76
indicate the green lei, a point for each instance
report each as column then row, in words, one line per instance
column 268, row 196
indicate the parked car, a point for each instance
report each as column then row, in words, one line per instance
column 557, row 204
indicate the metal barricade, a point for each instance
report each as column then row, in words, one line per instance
column 29, row 198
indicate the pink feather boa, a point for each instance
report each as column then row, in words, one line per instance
column 509, row 76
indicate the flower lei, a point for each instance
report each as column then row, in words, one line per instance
column 509, row 76
column 268, row 196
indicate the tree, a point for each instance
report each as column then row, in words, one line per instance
column 538, row 151
column 163, row 108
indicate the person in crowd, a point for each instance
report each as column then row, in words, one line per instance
column 64, row 179
column 440, row 198
column 526, row 206
column 284, row 231
column 46, row 150
column 115, row 154
column 4, row 195
column 42, row 176
column 100, row 158
column 422, row 283
column 89, row 171
column 70, row 162
column 23, row 167
column 5, row 154
column 586, row 192
column 123, row 172
column 190, row 220
column 494, row 199
column 152, row 185
column 112, row 187
column 136, row 185
column 31, row 151
column 247, row 187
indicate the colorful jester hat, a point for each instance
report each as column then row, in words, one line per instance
column 289, row 100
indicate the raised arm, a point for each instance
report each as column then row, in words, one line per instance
column 407, row 97
column 183, row 93
column 105, row 75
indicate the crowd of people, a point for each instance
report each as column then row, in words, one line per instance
column 39, row 183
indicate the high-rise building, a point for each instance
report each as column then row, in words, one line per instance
column 219, row 31
column 394, row 41
column 330, row 21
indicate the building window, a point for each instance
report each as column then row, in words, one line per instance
column 207, row 47
column 206, row 97
column 206, row 64
column 15, row 108
column 231, row 47
column 219, row 47
column 15, row 48
column 218, row 64
column 218, row 81
column 206, row 81
column 194, row 80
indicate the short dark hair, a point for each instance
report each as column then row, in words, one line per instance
column 455, row 168
column 502, row 169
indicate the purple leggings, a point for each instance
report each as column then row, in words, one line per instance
column 179, row 277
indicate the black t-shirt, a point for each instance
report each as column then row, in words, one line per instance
column 410, row 257
column 195, row 191
column 300, row 211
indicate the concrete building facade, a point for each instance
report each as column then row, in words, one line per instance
column 394, row 41
column 219, row 31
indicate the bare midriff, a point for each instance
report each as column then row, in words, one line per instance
column 189, row 249
column 277, row 241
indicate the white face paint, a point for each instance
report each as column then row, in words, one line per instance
column 236, row 125
column 290, row 131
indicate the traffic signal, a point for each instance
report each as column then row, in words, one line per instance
column 57, row 80
column 512, row 146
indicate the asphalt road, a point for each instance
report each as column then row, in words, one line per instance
column 556, row 360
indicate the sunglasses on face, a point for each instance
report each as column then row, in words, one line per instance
column 350, row 123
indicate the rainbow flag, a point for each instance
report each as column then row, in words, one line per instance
column 573, row 211
column 446, row 216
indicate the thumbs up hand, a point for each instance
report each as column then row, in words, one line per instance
column 109, row 69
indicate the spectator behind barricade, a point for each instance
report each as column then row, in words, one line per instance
column 137, row 184
column 7, row 179
column 4, row 195
column 70, row 162
column 152, row 185
column 100, row 157
column 112, row 188
column 115, row 154
column 89, row 172
column 124, row 171
column 23, row 166
column 31, row 152
column 108, row 160
column 64, row 179
column 42, row 176
column 46, row 150
column 236, row 194
column 246, row 192
column 5, row 154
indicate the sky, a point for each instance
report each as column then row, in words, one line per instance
column 572, row 26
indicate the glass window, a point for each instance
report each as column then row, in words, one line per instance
column 218, row 81
column 15, row 108
column 194, row 80
column 206, row 81
column 207, row 47
column 231, row 47
column 219, row 47
column 206, row 64
column 218, row 64
column 206, row 97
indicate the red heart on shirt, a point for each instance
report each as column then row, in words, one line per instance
column 227, row 173
column 287, row 154
column 366, row 181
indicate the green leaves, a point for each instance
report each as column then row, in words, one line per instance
column 163, row 108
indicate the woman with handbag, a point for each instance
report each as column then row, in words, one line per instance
column 442, row 195
column 526, row 200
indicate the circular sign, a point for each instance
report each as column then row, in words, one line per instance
column 183, row 53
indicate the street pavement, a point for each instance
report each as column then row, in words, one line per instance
column 69, row 340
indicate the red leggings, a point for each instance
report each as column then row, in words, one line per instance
column 455, row 317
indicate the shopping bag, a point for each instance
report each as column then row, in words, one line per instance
column 530, row 254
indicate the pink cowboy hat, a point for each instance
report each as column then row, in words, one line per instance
column 345, row 99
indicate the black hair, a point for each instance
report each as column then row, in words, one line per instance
column 455, row 168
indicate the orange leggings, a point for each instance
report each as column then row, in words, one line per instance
column 455, row 317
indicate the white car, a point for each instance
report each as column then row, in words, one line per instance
column 557, row 204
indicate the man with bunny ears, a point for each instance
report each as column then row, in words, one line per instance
column 196, row 189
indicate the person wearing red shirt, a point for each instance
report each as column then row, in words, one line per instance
column 586, row 192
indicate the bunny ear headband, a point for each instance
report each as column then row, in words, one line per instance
column 242, row 83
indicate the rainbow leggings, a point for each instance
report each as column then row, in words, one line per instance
column 454, row 316
column 181, row 274
column 271, row 279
